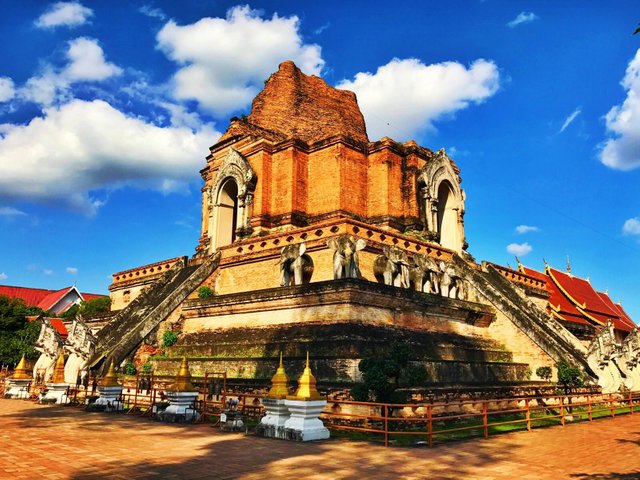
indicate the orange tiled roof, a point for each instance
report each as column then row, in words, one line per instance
column 41, row 297
column 56, row 323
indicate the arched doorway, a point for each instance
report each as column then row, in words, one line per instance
column 447, row 216
column 226, row 213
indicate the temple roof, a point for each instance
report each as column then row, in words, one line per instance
column 57, row 323
column 304, row 107
column 44, row 298
column 575, row 300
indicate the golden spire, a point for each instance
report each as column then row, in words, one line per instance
column 307, row 385
column 279, row 383
column 183, row 379
column 58, row 371
column 110, row 379
column 20, row 372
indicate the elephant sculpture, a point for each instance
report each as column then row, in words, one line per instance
column 601, row 357
column 451, row 283
column 296, row 267
column 392, row 267
column 425, row 274
column 345, row 256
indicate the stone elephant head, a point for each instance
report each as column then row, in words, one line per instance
column 451, row 281
column 345, row 256
column 425, row 273
column 296, row 267
column 392, row 267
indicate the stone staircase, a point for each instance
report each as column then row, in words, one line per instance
column 540, row 327
column 131, row 325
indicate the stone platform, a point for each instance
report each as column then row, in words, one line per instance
column 49, row 447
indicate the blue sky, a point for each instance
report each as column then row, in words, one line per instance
column 107, row 110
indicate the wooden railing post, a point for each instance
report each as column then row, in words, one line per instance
column 613, row 412
column 485, row 420
column 386, row 425
column 430, row 425
column 528, row 414
column 561, row 410
column 589, row 407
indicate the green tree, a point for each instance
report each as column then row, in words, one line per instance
column 90, row 308
column 383, row 375
column 569, row 376
column 17, row 336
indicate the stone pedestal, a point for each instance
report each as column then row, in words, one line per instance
column 272, row 424
column 180, row 407
column 18, row 388
column 56, row 393
column 108, row 399
column 304, row 423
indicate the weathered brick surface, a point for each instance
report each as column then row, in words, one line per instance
column 64, row 443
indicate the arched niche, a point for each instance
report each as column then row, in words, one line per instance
column 442, row 201
column 230, row 201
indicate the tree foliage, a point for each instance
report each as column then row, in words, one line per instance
column 544, row 373
column 383, row 375
column 17, row 336
column 569, row 376
column 89, row 309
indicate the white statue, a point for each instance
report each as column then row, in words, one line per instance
column 49, row 344
column 80, row 345
column 601, row 357
column 629, row 360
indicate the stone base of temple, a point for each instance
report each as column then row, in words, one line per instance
column 18, row 388
column 56, row 393
column 304, row 423
column 181, row 408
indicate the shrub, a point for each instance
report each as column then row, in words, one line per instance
column 544, row 373
column 204, row 292
column 130, row 369
column 169, row 338
column 569, row 376
column 146, row 368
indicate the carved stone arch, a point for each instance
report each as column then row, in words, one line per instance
column 237, row 170
column 443, row 201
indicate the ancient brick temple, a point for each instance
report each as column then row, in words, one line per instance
column 316, row 238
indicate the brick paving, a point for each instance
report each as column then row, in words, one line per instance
column 65, row 442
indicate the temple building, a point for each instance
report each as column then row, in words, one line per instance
column 56, row 301
column 313, row 237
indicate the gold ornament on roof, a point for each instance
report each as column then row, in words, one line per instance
column 58, row 372
column 279, row 383
column 21, row 373
column 110, row 379
column 183, row 379
column 306, row 385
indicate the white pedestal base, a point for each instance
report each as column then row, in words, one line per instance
column 56, row 392
column 181, row 404
column 277, row 412
column 109, row 398
column 18, row 388
column 304, row 419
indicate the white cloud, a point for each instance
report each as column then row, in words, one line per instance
column 523, row 17
column 11, row 212
column 68, row 14
column 406, row 96
column 520, row 249
column 3, row 276
column 149, row 11
column 570, row 119
column 47, row 272
column 225, row 61
column 521, row 229
column 86, row 63
column 7, row 90
column 622, row 150
column 80, row 147
column 72, row 270
column 631, row 226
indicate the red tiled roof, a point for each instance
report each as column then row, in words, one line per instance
column 42, row 298
column 574, row 299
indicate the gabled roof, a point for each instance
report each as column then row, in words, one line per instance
column 44, row 298
column 573, row 299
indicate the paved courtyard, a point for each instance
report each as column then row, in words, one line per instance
column 64, row 442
